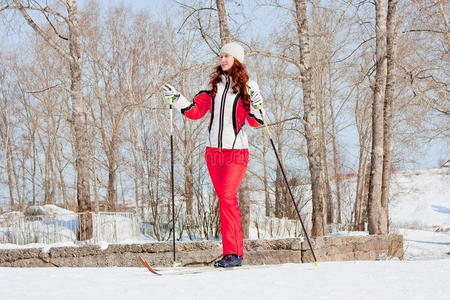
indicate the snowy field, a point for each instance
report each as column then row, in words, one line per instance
column 361, row 280
column 425, row 245
column 424, row 274
column 421, row 199
column 420, row 207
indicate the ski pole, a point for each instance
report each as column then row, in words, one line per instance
column 174, row 263
column 286, row 181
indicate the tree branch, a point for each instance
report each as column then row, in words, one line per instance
column 287, row 120
column 40, row 31
column 170, row 78
column 42, row 90
column 46, row 9
column 423, row 30
column 54, row 29
column 274, row 55
column 204, row 36
column 194, row 10
column 341, row 60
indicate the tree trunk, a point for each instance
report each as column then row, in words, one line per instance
column 33, row 171
column 9, row 170
column 336, row 165
column 324, row 159
column 223, row 23
column 245, row 208
column 311, row 117
column 79, row 125
column 111, row 197
column 388, row 108
column 377, row 222
column 362, row 187
column 267, row 206
column 280, row 199
column 358, row 199
column 189, row 190
column 48, row 171
column 112, row 152
column 62, row 184
column 188, row 169
column 7, row 146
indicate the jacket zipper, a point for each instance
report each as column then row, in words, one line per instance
column 222, row 112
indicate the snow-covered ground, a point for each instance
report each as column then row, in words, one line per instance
column 361, row 280
column 420, row 207
column 424, row 274
column 421, row 199
column 425, row 245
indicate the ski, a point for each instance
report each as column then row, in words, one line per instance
column 195, row 270
column 147, row 265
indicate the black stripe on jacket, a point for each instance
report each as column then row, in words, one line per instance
column 257, row 120
column 184, row 110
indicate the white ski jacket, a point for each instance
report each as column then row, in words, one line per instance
column 228, row 115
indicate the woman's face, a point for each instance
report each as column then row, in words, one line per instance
column 226, row 61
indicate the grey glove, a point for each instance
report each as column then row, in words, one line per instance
column 170, row 93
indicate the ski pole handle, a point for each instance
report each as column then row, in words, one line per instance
column 264, row 120
column 171, row 114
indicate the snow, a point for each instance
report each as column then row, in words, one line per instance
column 331, row 280
column 421, row 244
column 349, row 233
column 421, row 199
column 36, row 245
column 50, row 210
column 423, row 275
column 50, row 224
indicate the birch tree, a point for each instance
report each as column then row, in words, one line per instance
column 67, row 44
column 311, row 118
column 377, row 223
column 382, row 122
column 388, row 126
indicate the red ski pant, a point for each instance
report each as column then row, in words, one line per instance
column 227, row 169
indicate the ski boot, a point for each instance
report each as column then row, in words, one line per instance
column 228, row 261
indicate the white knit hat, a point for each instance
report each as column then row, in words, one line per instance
column 235, row 50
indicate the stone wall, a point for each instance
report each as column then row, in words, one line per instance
column 367, row 247
column 276, row 251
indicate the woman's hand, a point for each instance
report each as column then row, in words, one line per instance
column 170, row 93
column 256, row 99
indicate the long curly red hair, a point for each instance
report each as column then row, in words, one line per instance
column 239, row 75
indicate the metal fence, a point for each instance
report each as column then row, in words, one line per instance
column 262, row 227
column 111, row 227
column 114, row 227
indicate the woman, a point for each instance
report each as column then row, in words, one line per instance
column 231, row 107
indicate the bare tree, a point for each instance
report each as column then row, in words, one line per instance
column 311, row 118
column 362, row 114
column 6, row 138
column 388, row 125
column 72, row 55
column 377, row 221
column 382, row 119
